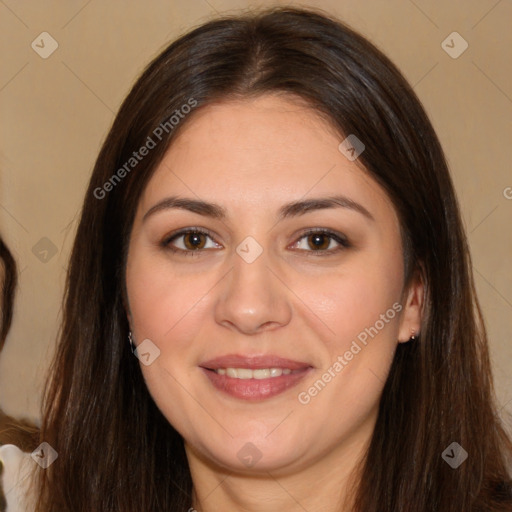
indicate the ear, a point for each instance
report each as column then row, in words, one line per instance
column 410, row 320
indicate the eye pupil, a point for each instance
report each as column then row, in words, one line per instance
column 196, row 240
column 318, row 239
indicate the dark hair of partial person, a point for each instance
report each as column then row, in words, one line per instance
column 9, row 282
column 22, row 433
column 116, row 449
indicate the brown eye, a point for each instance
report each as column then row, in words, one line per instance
column 189, row 242
column 318, row 241
column 194, row 241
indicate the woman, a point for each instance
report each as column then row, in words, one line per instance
column 270, row 303
column 16, row 436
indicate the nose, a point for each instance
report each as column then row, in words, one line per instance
column 253, row 298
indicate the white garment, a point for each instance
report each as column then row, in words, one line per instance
column 16, row 478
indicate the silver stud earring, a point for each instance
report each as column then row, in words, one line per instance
column 413, row 337
column 130, row 339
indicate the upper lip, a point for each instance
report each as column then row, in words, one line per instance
column 253, row 362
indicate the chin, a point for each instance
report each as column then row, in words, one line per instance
column 250, row 453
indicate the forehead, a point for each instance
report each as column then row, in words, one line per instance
column 261, row 151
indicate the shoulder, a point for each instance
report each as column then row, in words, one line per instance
column 15, row 478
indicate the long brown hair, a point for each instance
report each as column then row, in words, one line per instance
column 116, row 450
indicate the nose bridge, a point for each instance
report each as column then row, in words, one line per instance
column 252, row 296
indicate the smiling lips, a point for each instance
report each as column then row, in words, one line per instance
column 254, row 377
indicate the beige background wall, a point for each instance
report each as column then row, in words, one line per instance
column 56, row 111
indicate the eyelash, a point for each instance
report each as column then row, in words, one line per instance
column 341, row 240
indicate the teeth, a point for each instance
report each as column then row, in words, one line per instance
column 247, row 373
column 242, row 373
column 265, row 373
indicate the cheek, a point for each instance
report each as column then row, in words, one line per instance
column 361, row 310
column 167, row 309
column 356, row 301
column 158, row 297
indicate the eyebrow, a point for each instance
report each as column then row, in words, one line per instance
column 293, row 209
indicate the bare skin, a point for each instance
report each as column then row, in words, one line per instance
column 305, row 298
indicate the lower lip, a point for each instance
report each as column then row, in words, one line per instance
column 255, row 389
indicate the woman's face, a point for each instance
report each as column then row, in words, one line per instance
column 274, row 343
